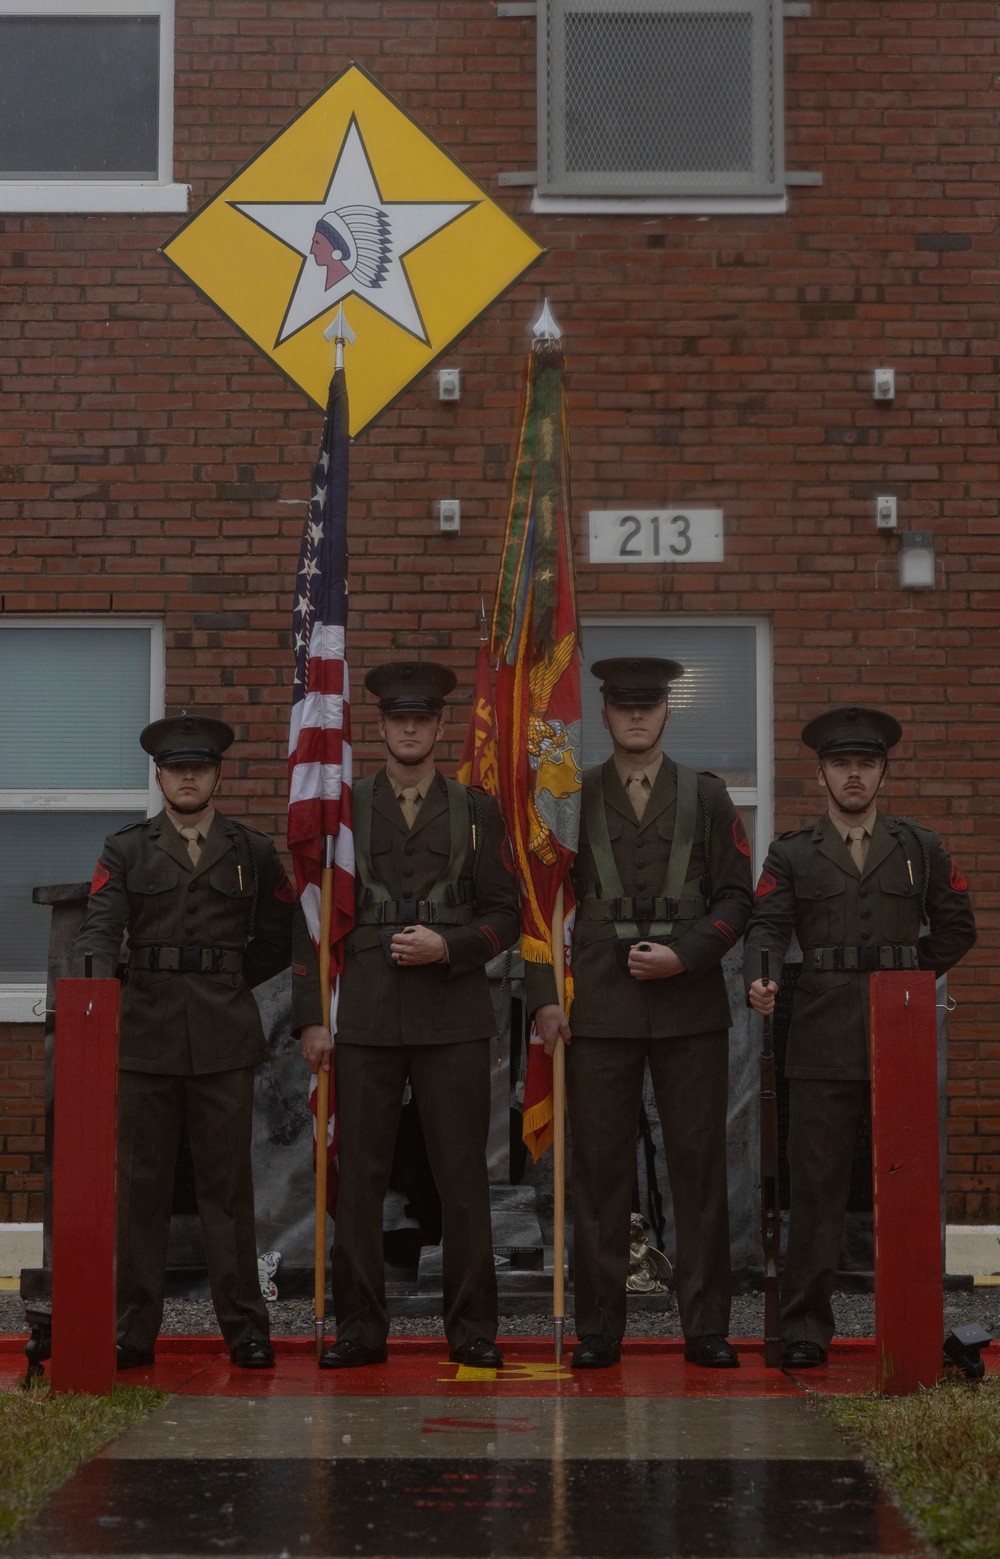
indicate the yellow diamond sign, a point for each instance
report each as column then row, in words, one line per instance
column 353, row 204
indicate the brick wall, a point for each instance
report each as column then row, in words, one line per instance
column 146, row 448
column 22, row 1122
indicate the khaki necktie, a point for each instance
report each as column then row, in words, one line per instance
column 192, row 839
column 638, row 791
column 858, row 842
column 410, row 800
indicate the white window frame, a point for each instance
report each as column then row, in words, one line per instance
column 21, row 1002
column 33, row 194
column 761, row 795
column 550, row 194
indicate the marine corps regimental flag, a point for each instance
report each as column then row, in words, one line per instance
column 539, row 728
column 352, row 200
column 477, row 766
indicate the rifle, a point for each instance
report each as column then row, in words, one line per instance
column 770, row 1211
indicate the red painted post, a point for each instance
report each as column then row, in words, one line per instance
column 84, row 1193
column 909, row 1306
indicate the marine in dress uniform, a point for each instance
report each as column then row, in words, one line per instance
column 856, row 887
column 435, row 902
column 664, row 889
column 207, row 909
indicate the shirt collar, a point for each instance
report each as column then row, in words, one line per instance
column 421, row 788
column 867, row 823
column 649, row 771
column 202, row 827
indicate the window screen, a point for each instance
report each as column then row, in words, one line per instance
column 713, row 707
column 40, row 850
column 660, row 97
column 80, row 96
column 72, row 704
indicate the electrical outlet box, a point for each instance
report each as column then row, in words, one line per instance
column 885, row 513
column 885, row 384
column 449, row 384
column 450, row 514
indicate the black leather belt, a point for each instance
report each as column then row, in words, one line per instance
column 414, row 912
column 187, row 960
column 838, row 959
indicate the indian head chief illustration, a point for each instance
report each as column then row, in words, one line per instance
column 355, row 239
column 352, row 240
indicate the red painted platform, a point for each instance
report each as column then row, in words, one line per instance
column 419, row 1366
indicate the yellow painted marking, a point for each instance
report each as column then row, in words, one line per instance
column 508, row 1375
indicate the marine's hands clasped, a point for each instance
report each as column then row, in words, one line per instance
column 418, row 945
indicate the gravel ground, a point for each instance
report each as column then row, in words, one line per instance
column 293, row 1318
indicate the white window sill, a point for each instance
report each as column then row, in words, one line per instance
column 22, row 1003
column 84, row 195
column 658, row 205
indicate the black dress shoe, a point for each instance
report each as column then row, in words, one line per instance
column 257, row 1354
column 134, row 1358
column 479, row 1354
column 348, row 1355
column 711, row 1352
column 596, row 1351
column 802, row 1355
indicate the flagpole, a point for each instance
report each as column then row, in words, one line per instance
column 323, row 1101
column 339, row 332
column 559, row 1137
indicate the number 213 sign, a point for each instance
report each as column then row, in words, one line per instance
column 656, row 536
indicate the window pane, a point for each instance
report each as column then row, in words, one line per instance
column 713, row 707
column 72, row 704
column 80, row 96
column 41, row 851
column 652, row 92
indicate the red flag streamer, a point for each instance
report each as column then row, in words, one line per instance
column 477, row 766
column 539, row 727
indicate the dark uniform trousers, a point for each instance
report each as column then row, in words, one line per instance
column 679, row 1026
column 431, row 1024
column 604, row 1079
column 811, row 885
column 824, row 1116
column 451, row 1087
column 218, row 1109
column 189, row 1045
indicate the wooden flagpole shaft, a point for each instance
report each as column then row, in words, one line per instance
column 322, row 1108
column 559, row 1139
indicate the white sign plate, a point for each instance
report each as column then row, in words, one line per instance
column 656, row 536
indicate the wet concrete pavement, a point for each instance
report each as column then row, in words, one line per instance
column 425, row 1457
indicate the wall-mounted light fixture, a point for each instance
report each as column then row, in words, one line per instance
column 916, row 560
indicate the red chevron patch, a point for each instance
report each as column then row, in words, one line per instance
column 740, row 839
column 284, row 892
column 100, row 877
column 766, row 885
column 956, row 880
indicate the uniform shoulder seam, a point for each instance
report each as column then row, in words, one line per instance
column 127, row 828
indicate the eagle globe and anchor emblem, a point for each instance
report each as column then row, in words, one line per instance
column 553, row 748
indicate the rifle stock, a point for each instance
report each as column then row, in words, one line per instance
column 770, row 1211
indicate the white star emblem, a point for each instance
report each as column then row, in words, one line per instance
column 353, row 241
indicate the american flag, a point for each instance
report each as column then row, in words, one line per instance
column 319, row 742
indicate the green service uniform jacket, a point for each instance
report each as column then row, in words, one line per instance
column 237, row 901
column 811, row 886
column 607, row 1001
column 430, row 1004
